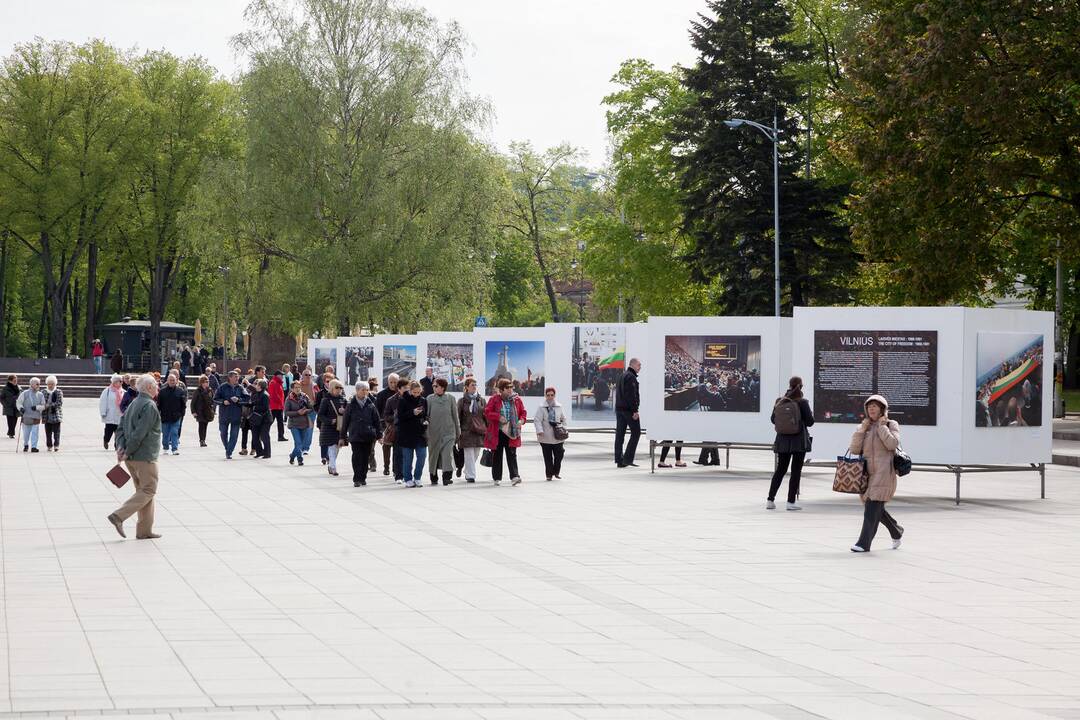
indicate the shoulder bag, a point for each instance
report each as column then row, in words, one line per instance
column 901, row 462
column 851, row 475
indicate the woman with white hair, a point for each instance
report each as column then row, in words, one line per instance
column 109, row 407
column 53, row 414
column 360, row 428
column 30, row 406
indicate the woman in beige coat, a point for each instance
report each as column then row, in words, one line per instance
column 876, row 440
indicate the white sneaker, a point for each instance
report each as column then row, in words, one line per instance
column 496, row 482
column 175, row 452
column 515, row 481
column 856, row 548
column 770, row 505
column 793, row 507
column 410, row 484
column 896, row 544
column 399, row 481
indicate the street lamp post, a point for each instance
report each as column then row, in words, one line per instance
column 224, row 269
column 774, row 135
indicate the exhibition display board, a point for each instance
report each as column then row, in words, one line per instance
column 323, row 352
column 719, row 375
column 584, row 363
column 450, row 355
column 518, row 354
column 967, row 385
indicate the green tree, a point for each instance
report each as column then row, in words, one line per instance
column 965, row 128
column 745, row 70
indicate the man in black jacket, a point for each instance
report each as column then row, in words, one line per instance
column 627, row 404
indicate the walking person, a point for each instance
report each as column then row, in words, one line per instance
column 473, row 426
column 232, row 399
column 550, row 422
column 664, row 453
column 373, row 389
column 260, row 420
column 287, row 376
column 202, row 407
column 877, row 439
column 331, row 413
column 792, row 418
column 442, row 432
column 130, row 393
column 245, row 416
column 627, row 405
column 9, row 400
column 505, row 415
column 276, row 391
column 410, row 416
column 380, row 404
column 172, row 404
column 300, row 415
column 116, row 362
column 53, row 414
column 30, row 405
column 390, row 423
column 109, row 407
column 97, row 352
column 137, row 441
column 362, row 427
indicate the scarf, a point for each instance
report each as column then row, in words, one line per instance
column 551, row 415
column 509, row 416
column 471, row 401
column 118, row 394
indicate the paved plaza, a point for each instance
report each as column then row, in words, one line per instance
column 281, row 592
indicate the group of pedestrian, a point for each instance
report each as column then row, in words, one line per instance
column 34, row 407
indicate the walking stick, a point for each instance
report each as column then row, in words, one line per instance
column 18, row 433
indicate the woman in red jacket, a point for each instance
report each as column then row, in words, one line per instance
column 276, row 390
column 505, row 415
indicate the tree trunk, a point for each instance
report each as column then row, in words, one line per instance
column 74, row 304
column 129, row 303
column 89, row 332
column 160, row 280
column 1071, row 368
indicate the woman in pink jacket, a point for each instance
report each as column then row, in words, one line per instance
column 505, row 415
column 876, row 440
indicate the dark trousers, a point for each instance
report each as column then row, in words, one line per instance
column 678, row 452
column 279, row 418
column 202, row 431
column 782, row 462
column 110, row 430
column 497, row 459
column 361, row 452
column 12, row 419
column 373, row 462
column 553, row 455
column 52, row 434
column 260, row 438
column 398, row 473
column 709, row 456
column 874, row 512
column 623, row 420
column 386, row 452
column 459, row 459
column 245, row 428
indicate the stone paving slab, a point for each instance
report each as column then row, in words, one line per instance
column 281, row 592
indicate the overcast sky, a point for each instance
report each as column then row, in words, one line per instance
column 544, row 64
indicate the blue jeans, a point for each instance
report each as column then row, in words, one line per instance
column 97, row 363
column 170, row 435
column 307, row 434
column 298, row 442
column 407, row 470
column 230, row 431
column 30, row 434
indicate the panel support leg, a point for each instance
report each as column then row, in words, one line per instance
column 957, row 470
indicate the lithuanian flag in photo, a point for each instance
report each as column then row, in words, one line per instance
column 615, row 361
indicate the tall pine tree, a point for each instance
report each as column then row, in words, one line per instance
column 746, row 70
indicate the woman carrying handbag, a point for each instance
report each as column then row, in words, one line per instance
column 551, row 433
column 877, row 440
column 473, row 427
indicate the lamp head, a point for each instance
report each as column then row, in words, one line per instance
column 733, row 123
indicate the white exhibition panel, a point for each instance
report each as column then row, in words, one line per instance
column 321, row 348
column 560, row 351
column 1006, row 445
column 374, row 369
column 533, row 356
column 937, row 443
column 425, row 339
column 397, row 360
column 702, row 426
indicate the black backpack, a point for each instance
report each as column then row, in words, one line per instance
column 787, row 418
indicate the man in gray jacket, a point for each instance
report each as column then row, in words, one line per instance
column 138, row 440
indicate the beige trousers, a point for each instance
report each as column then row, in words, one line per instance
column 145, row 476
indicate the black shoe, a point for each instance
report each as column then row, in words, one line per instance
column 292, row 460
column 105, row 445
column 325, row 460
column 621, row 465
column 434, row 482
column 300, row 462
column 470, row 480
column 26, row 448
column 34, row 450
column 358, row 483
column 386, row 471
column 282, row 440
column 633, row 464
column 447, row 482
column 202, row 444
column 459, row 472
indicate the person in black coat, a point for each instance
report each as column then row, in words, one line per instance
column 331, row 407
column 627, row 402
column 380, row 404
column 791, row 449
column 260, row 420
column 411, row 426
column 362, row 427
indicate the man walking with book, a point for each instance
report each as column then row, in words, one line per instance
column 138, row 440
